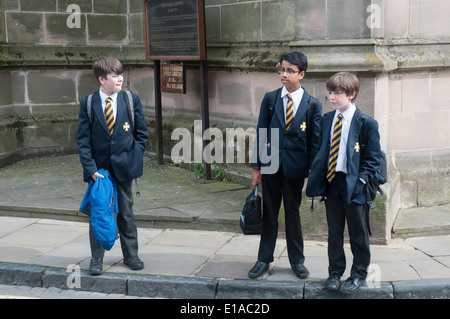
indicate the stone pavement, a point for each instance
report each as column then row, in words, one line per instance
column 44, row 243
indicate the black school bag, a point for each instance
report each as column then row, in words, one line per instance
column 251, row 217
column 374, row 182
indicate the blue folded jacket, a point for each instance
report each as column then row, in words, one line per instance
column 100, row 202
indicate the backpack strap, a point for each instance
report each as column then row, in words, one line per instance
column 130, row 108
column 89, row 107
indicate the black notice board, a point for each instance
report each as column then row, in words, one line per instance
column 174, row 30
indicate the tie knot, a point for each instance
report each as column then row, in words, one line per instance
column 108, row 100
column 340, row 116
column 289, row 96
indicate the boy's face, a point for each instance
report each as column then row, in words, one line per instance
column 339, row 100
column 112, row 83
column 290, row 81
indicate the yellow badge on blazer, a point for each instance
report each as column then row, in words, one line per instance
column 126, row 126
column 303, row 126
column 357, row 147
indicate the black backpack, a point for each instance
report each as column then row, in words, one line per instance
column 374, row 182
column 251, row 217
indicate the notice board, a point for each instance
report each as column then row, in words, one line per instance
column 174, row 30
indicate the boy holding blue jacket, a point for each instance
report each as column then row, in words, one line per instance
column 110, row 139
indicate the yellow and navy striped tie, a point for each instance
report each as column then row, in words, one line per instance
column 289, row 112
column 334, row 148
column 109, row 115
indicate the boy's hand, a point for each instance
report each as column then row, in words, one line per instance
column 95, row 175
column 256, row 177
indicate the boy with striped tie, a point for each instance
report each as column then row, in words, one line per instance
column 339, row 173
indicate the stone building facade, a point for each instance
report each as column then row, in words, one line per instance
column 400, row 50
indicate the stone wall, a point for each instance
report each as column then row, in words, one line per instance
column 399, row 49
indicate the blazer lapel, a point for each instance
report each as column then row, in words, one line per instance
column 98, row 110
column 121, row 111
column 279, row 110
column 327, row 122
column 353, row 135
column 301, row 110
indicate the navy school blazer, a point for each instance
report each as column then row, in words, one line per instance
column 297, row 146
column 357, row 167
column 122, row 153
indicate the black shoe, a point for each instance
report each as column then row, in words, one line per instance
column 332, row 283
column 300, row 270
column 258, row 269
column 351, row 285
column 96, row 266
column 134, row 263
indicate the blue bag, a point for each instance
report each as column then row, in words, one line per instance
column 100, row 202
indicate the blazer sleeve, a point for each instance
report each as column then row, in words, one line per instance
column 141, row 131
column 315, row 129
column 264, row 119
column 84, row 141
column 371, row 157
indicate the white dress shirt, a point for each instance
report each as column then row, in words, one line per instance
column 341, row 165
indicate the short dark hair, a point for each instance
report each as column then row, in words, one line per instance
column 345, row 81
column 296, row 58
column 106, row 65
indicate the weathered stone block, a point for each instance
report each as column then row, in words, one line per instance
column 37, row 5
column 5, row 88
column 241, row 22
column 18, row 87
column 110, row 6
column 58, row 31
column 278, row 20
column 347, row 19
column 19, row 274
column 427, row 20
column 11, row 5
column 42, row 84
column 24, row 27
column 110, row 283
column 171, row 287
column 316, row 290
column 212, row 22
column 310, row 19
column 105, row 29
column 137, row 29
column 259, row 289
column 85, row 5
column 422, row 289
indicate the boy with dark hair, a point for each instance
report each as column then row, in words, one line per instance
column 107, row 140
column 340, row 173
column 295, row 115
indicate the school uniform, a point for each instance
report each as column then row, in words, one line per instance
column 121, row 154
column 345, row 195
column 294, row 151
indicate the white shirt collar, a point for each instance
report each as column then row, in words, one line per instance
column 295, row 95
column 103, row 96
column 348, row 113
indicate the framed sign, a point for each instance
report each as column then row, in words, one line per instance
column 173, row 78
column 174, row 30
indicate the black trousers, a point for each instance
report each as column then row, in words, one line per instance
column 337, row 212
column 277, row 187
column 125, row 224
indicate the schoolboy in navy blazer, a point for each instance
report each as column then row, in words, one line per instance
column 290, row 155
column 120, row 152
column 345, row 195
column 123, row 152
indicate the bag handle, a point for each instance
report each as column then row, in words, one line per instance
column 256, row 190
